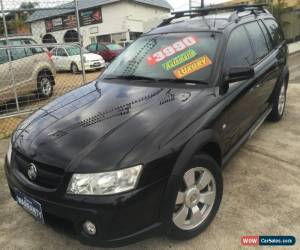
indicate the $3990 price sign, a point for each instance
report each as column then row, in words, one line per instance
column 171, row 50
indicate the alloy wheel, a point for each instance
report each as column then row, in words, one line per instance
column 46, row 86
column 282, row 99
column 195, row 201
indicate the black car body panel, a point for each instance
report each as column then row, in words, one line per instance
column 114, row 124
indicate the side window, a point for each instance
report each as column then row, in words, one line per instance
column 102, row 47
column 92, row 47
column 33, row 50
column 275, row 32
column 258, row 40
column 239, row 52
column 3, row 54
column 17, row 53
column 61, row 52
column 266, row 33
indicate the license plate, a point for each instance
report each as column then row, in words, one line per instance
column 96, row 65
column 30, row 205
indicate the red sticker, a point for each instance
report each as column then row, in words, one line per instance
column 171, row 50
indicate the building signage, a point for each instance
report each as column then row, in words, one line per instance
column 91, row 16
column 87, row 17
column 60, row 23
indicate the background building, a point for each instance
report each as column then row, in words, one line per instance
column 101, row 20
column 288, row 13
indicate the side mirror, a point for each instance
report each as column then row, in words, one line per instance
column 236, row 74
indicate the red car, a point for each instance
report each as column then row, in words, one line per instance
column 107, row 51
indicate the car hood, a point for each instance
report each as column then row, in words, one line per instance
column 104, row 126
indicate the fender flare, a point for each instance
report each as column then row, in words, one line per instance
column 190, row 149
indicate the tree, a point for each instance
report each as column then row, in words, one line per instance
column 19, row 24
column 28, row 5
column 278, row 9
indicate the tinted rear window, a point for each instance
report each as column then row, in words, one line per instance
column 275, row 32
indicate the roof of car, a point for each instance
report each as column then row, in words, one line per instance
column 211, row 22
column 86, row 4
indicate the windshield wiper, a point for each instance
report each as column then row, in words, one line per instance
column 182, row 80
column 131, row 77
column 172, row 80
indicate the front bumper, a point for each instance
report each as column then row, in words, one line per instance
column 120, row 219
column 93, row 65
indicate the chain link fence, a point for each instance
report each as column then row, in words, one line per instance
column 41, row 56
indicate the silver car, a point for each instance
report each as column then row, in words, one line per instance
column 33, row 69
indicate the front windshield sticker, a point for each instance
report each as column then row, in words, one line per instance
column 171, row 50
column 180, row 59
column 192, row 67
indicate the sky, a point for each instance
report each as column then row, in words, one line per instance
column 184, row 4
column 177, row 4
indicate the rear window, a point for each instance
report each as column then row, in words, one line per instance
column 276, row 35
column 33, row 50
column 188, row 56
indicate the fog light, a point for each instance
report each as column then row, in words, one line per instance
column 89, row 228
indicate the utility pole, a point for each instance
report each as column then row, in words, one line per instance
column 202, row 3
column 190, row 4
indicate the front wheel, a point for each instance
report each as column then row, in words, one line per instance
column 198, row 198
column 74, row 68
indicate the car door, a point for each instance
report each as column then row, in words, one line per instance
column 22, row 64
column 62, row 59
column 266, row 65
column 240, row 101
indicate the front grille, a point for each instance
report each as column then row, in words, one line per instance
column 48, row 176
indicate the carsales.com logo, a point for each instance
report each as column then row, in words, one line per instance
column 268, row 240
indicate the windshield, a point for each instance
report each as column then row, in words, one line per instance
column 175, row 56
column 114, row 46
column 74, row 51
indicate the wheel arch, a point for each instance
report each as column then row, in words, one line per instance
column 206, row 141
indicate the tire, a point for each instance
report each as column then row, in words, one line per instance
column 195, row 206
column 279, row 103
column 45, row 84
column 74, row 68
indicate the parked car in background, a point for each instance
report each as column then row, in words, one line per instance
column 125, row 44
column 108, row 52
column 115, row 48
column 68, row 59
column 33, row 69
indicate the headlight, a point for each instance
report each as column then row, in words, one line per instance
column 9, row 153
column 105, row 183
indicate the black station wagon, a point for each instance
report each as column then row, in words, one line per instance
column 141, row 149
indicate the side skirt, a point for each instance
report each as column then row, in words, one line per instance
column 246, row 136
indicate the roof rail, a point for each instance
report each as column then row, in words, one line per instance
column 206, row 10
